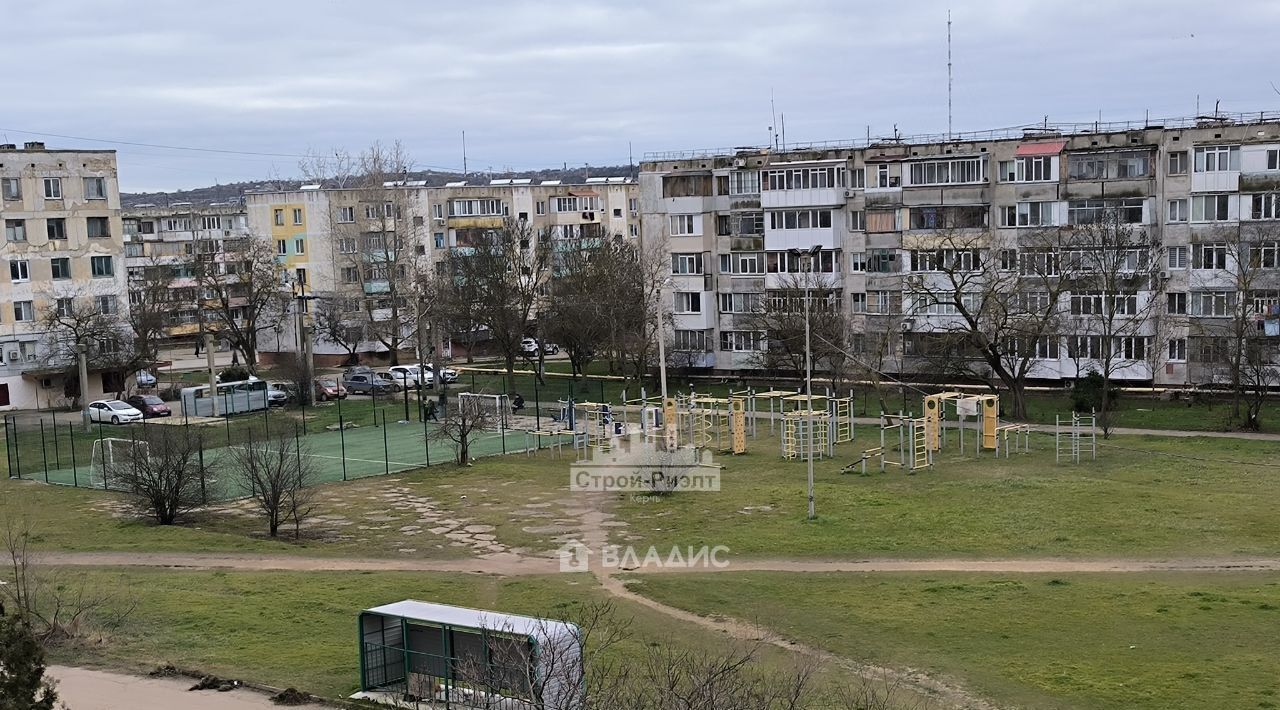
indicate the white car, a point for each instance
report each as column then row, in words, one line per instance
column 450, row 375
column 114, row 411
column 529, row 346
column 145, row 379
column 409, row 376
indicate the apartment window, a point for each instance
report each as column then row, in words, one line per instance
column 949, row 260
column 177, row 224
column 56, row 228
column 297, row 216
column 19, row 270
column 15, row 230
column 107, row 305
column 101, row 266
column 95, row 188
column 346, row 245
column 147, row 227
column 300, row 276
column 211, row 222
column 881, row 302
column 439, row 240
column 740, row 302
column 1212, row 304
column 1266, row 206
column 1038, row 262
column 744, row 182
column 803, row 178
column 751, row 263
column 1177, row 258
column 64, row 307
column 278, row 217
column 857, row 261
column 683, row 224
column 53, row 188
column 686, row 263
column 749, row 223
column 23, row 311
column 1177, row 350
column 299, row 246
column 739, row 341
column 617, row 212
column 1034, row 169
column 633, row 230
column 723, row 226
column 1127, row 210
column 477, row 208
column 60, row 268
column 350, row 275
column 1273, row 159
column 1120, row 165
column 1132, row 347
column 1028, row 214
column 882, row 176
column 858, row 302
column 1265, row 255
column 1177, row 210
column 690, row 341
column 688, row 302
column 98, row 227
column 858, row 178
column 282, row 247
column 857, row 220
column 1210, row 208
column 1178, row 163
column 1176, row 303
column 948, row 172
column 11, row 188
column 800, row 219
column 1218, row 158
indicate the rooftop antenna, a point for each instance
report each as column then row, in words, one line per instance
column 948, row 74
column 784, row 131
column 464, row 152
column 773, row 109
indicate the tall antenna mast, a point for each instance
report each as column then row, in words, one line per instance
column 948, row 74
column 773, row 128
column 464, row 153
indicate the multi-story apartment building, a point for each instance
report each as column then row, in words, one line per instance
column 63, row 245
column 335, row 243
column 162, row 245
column 881, row 212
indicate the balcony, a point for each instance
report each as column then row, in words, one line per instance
column 807, row 197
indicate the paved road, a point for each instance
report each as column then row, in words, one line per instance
column 84, row 689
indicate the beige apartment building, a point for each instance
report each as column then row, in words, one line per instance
column 63, row 244
column 875, row 210
column 331, row 242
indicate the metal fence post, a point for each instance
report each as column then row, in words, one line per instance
column 386, row 456
column 57, row 451
column 71, row 434
column 204, row 493
column 17, row 450
column 342, row 438
column 44, row 452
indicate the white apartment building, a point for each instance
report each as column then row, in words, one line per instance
column 60, row 210
column 329, row 240
column 876, row 210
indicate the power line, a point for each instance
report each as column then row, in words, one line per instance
column 156, row 145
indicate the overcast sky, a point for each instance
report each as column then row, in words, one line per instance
column 539, row 84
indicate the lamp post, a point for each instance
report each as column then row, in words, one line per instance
column 82, row 361
column 305, row 388
column 811, row 254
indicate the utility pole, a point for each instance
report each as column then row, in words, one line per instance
column 809, row 255
column 83, row 361
column 213, row 376
column 668, row 427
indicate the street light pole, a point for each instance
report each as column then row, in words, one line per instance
column 808, row 369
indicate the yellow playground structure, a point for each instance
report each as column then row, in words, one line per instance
column 920, row 437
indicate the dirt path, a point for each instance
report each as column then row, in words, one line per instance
column 84, row 689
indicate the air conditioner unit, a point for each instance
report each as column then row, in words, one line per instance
column 739, row 162
column 13, row 356
column 438, row 220
column 1164, row 275
column 849, row 193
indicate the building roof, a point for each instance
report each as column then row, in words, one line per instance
column 463, row 617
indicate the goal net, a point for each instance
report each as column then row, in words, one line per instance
column 110, row 456
column 495, row 408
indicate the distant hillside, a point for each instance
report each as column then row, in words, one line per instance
column 232, row 191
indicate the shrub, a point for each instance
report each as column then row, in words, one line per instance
column 1087, row 393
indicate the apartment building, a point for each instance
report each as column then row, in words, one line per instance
column 162, row 246
column 877, row 212
column 335, row 244
column 63, row 245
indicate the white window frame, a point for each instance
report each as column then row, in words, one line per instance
column 99, row 189
column 346, row 214
column 1217, row 159
column 19, row 271
column 683, row 225
column 109, row 272
column 687, row 302
column 53, row 188
column 1218, row 203
column 1177, row 257
column 24, row 312
column 1178, row 210
column 1177, row 350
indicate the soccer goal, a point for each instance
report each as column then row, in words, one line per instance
column 108, row 455
column 495, row 408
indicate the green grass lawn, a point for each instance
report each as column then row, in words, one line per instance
column 1141, row 500
column 1115, row 641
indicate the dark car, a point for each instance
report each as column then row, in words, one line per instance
column 150, row 405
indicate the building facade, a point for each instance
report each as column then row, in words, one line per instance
column 885, row 218
column 63, row 248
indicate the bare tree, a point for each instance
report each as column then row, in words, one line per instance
column 781, row 315
column 150, row 307
column 278, row 474
column 462, row 420
column 336, row 167
column 244, row 293
column 640, row 314
column 89, row 317
column 161, row 471
column 586, row 296
column 339, row 321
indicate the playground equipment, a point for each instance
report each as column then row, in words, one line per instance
column 495, row 407
column 109, row 453
column 835, row 425
column 803, row 429
column 1081, row 434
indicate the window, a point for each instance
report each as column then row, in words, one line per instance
column 278, row 218
column 1127, row 210
column 1177, row 257
column 948, row 172
column 1028, row 214
column 1178, row 163
column 633, row 204
column 723, row 228
column 1212, row 304
column 959, row 217
column 60, row 268
column 15, row 230
column 1033, row 169
column 177, row 224
column 53, row 188
column 617, row 212
column 682, row 224
column 1177, row 303
column 739, row 341
column 633, row 230
column 882, row 176
column 858, row 302
column 857, row 261
column 740, row 302
column 950, row 260
column 101, row 266
column 476, row 208
column 1132, row 347
column 107, row 305
column 1008, row 259
column 688, row 302
column 1177, row 350
column 19, row 270
column 690, row 340
column 744, row 182
column 1038, row 262
column 282, row 247
column 1210, row 208
column 350, row 275
column 147, row 227
column 11, row 189
column 803, row 178
column 300, row 276
column 858, row 177
column 213, row 221
column 686, row 263
column 882, row 302
column 346, row 215
column 882, row 261
column 800, row 219
column 1218, row 158
column 738, row 263
column 95, row 188
column 784, row 262
column 346, row 245
column 297, row 216
column 98, row 227
column 1266, row 206
column 439, row 240
column 857, row 220
column 64, row 307
column 23, row 311
column 299, row 246
column 1265, row 255
column 1177, row 210
column 1119, row 165
column 56, row 228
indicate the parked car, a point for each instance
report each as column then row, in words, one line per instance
column 397, row 383
column 409, row 376
column 529, row 346
column 280, row 393
column 150, row 405
column 327, row 388
column 145, row 379
column 114, row 411
column 448, row 374
column 367, row 384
